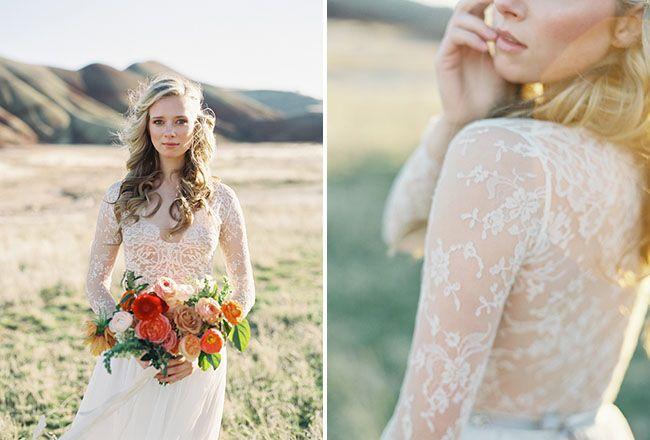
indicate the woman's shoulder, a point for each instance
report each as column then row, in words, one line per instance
column 495, row 136
column 113, row 191
column 222, row 194
column 519, row 126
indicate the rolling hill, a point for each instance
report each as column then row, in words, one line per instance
column 54, row 105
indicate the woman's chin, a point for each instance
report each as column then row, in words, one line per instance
column 511, row 72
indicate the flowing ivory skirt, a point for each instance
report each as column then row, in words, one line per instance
column 129, row 404
column 607, row 423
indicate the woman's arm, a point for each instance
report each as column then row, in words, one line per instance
column 234, row 247
column 103, row 253
column 486, row 217
column 409, row 199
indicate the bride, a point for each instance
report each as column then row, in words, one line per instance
column 171, row 215
column 527, row 197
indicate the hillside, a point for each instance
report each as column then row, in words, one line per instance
column 54, row 105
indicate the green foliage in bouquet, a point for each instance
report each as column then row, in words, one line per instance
column 213, row 292
column 240, row 335
column 130, row 345
column 209, row 360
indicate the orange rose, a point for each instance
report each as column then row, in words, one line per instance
column 187, row 320
column 211, row 341
column 126, row 302
column 190, row 347
column 233, row 311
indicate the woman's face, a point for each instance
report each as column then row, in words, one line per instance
column 171, row 122
column 561, row 37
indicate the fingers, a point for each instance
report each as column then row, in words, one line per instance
column 473, row 6
column 476, row 25
column 176, row 373
column 468, row 30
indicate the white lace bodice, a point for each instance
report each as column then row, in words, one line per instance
column 147, row 254
column 515, row 315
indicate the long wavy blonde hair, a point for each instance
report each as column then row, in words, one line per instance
column 144, row 174
column 612, row 100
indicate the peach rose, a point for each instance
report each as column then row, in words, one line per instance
column 190, row 347
column 154, row 330
column 212, row 341
column 233, row 311
column 187, row 320
column 209, row 310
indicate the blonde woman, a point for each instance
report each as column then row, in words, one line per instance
column 528, row 198
column 170, row 215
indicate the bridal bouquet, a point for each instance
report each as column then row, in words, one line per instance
column 156, row 323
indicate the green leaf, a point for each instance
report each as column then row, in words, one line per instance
column 204, row 364
column 214, row 359
column 240, row 335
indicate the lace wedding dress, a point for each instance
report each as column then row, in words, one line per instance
column 129, row 404
column 521, row 331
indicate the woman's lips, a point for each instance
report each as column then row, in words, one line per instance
column 170, row 144
column 508, row 43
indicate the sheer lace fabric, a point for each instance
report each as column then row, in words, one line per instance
column 521, row 223
column 147, row 254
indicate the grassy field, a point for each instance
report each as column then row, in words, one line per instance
column 381, row 91
column 50, row 196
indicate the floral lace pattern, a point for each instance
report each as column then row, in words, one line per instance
column 147, row 254
column 522, row 224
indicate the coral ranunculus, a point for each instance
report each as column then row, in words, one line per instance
column 190, row 347
column 233, row 311
column 154, row 330
column 211, row 341
column 147, row 306
column 126, row 302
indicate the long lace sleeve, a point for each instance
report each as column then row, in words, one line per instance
column 409, row 200
column 234, row 247
column 486, row 215
column 103, row 252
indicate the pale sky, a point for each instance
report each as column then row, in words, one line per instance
column 251, row 44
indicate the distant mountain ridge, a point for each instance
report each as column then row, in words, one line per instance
column 53, row 105
column 425, row 21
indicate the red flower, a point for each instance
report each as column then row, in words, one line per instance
column 154, row 330
column 147, row 306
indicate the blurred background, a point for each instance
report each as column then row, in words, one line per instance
column 65, row 68
column 381, row 93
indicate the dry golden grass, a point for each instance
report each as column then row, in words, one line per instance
column 50, row 198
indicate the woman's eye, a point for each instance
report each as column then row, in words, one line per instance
column 182, row 121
